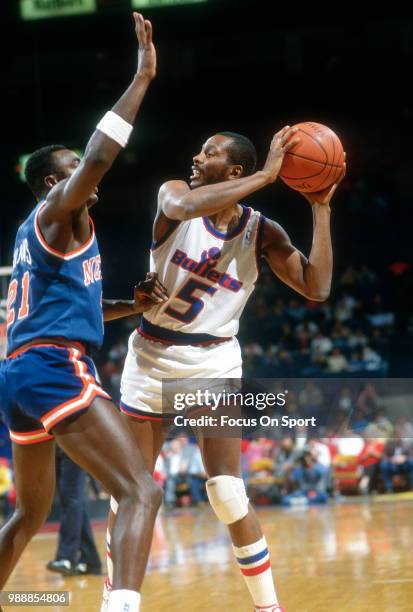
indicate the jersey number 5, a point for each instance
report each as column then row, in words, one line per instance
column 195, row 303
column 11, row 298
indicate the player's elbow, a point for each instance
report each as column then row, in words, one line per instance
column 97, row 158
column 98, row 163
column 178, row 211
column 321, row 295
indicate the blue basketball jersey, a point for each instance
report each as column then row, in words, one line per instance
column 53, row 294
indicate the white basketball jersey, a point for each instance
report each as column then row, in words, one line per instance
column 209, row 275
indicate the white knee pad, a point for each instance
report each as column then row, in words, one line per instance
column 228, row 498
column 113, row 505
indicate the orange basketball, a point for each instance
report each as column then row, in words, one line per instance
column 316, row 162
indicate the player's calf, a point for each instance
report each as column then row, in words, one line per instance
column 229, row 500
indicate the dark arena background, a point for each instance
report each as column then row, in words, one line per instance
column 250, row 68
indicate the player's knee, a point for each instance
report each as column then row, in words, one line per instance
column 152, row 495
column 144, row 492
column 31, row 518
column 228, row 498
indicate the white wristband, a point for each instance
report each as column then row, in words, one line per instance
column 115, row 127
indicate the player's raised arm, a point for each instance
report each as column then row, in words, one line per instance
column 111, row 135
column 178, row 201
column 310, row 277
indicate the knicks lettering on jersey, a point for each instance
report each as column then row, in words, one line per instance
column 92, row 270
column 22, row 254
column 205, row 268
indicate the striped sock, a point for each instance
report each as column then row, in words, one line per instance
column 107, row 585
column 109, row 561
column 254, row 563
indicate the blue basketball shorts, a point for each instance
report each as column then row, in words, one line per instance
column 42, row 385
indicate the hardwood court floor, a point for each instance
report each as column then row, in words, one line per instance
column 341, row 558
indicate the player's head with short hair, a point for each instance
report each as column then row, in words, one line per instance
column 224, row 156
column 42, row 164
column 241, row 151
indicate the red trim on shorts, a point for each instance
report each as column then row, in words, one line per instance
column 142, row 414
column 89, row 391
column 19, row 351
column 30, row 437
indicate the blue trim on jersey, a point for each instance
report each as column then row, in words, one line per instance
column 233, row 233
column 253, row 558
column 258, row 243
column 170, row 336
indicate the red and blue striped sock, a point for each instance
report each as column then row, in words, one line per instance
column 255, row 566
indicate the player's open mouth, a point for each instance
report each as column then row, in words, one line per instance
column 195, row 173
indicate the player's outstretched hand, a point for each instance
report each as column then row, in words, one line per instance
column 324, row 197
column 149, row 293
column 280, row 144
column 146, row 53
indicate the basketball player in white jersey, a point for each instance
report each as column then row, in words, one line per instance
column 207, row 249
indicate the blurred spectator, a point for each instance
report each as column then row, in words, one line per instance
column 320, row 452
column 321, row 344
column 7, row 490
column 358, row 339
column 345, row 399
column 197, row 477
column 310, row 481
column 380, row 317
column 340, row 334
column 310, row 399
column 76, row 551
column 349, row 443
column 383, row 423
column 257, row 450
column 358, row 421
column 348, row 277
column 403, row 429
column 397, row 460
column 370, row 458
column 175, row 471
column 295, row 310
column 371, row 360
column 344, row 308
column 286, row 457
column 355, row 363
column 336, row 362
column 367, row 399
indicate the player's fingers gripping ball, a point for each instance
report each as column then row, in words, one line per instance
column 316, row 161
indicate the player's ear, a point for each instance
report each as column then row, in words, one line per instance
column 235, row 172
column 50, row 181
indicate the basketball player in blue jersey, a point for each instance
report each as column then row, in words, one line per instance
column 207, row 249
column 48, row 386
